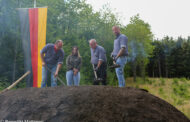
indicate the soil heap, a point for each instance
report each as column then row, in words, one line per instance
column 86, row 104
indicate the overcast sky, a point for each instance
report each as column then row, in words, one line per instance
column 166, row 17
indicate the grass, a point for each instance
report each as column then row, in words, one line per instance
column 175, row 91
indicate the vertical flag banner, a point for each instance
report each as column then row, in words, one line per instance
column 33, row 32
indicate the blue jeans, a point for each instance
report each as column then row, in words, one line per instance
column 45, row 73
column 72, row 79
column 120, row 70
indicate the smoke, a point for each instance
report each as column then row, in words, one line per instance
column 133, row 52
column 9, row 40
column 8, row 17
column 136, row 49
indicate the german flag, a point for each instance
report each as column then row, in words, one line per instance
column 33, row 32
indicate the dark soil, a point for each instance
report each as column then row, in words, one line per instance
column 86, row 104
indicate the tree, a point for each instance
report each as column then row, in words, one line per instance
column 140, row 48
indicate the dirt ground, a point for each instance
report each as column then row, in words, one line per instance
column 86, row 104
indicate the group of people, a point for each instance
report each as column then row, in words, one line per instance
column 52, row 59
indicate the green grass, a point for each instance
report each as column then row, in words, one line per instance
column 175, row 91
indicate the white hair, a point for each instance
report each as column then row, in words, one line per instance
column 92, row 41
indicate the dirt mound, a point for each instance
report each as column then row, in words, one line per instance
column 86, row 104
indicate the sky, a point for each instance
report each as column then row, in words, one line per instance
column 166, row 17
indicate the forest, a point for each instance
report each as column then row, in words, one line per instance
column 75, row 22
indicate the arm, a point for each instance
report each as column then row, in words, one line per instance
column 101, row 58
column 68, row 63
column 60, row 62
column 79, row 64
column 77, row 68
column 42, row 52
column 57, row 70
column 42, row 57
column 121, row 51
column 99, row 63
column 123, row 45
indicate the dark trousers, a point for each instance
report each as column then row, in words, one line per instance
column 101, row 73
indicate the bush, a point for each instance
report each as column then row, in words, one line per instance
column 175, row 81
column 181, row 90
column 183, row 79
column 180, row 102
column 177, row 100
column 140, row 80
column 137, row 86
column 22, row 84
column 112, row 79
column 147, row 80
column 188, row 113
column 161, row 91
column 162, row 81
column 4, row 83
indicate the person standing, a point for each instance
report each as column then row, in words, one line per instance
column 73, row 63
column 120, row 53
column 52, row 59
column 98, row 59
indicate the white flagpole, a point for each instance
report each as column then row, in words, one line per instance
column 34, row 3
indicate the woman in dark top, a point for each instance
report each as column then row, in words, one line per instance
column 73, row 63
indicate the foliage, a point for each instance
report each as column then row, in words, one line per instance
column 170, row 58
column 73, row 21
column 161, row 91
column 162, row 81
column 140, row 45
column 181, row 90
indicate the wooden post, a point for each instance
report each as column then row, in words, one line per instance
column 16, row 82
column 34, row 3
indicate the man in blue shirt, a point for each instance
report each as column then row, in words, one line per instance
column 120, row 53
column 52, row 59
column 98, row 59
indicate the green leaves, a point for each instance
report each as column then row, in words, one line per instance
column 170, row 58
column 140, row 45
column 75, row 22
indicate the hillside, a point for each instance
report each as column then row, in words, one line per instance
column 176, row 91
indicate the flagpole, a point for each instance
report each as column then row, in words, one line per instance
column 34, row 3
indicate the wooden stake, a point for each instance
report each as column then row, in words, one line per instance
column 16, row 82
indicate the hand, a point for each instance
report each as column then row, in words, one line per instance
column 114, row 59
column 111, row 55
column 75, row 71
column 43, row 64
column 96, row 69
column 56, row 74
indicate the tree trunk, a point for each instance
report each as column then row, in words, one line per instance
column 142, row 70
column 166, row 66
column 153, row 73
column 159, row 68
column 14, row 62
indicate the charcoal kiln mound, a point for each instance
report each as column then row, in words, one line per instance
column 86, row 104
